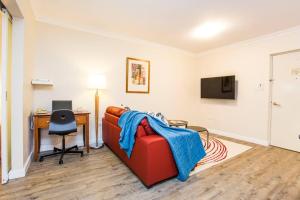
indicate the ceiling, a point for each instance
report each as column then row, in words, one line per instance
column 170, row 22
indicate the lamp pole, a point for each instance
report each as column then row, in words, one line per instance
column 97, row 82
column 97, row 120
column 97, row 115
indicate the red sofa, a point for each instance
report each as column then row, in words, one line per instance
column 151, row 159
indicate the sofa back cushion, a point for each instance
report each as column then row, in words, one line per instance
column 111, row 118
column 113, row 114
column 147, row 127
column 116, row 111
column 140, row 132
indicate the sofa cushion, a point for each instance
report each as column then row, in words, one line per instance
column 140, row 132
column 116, row 111
column 111, row 118
column 147, row 127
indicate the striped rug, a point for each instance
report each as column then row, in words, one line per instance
column 217, row 151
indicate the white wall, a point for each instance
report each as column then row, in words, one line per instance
column 68, row 57
column 17, row 95
column 23, row 45
column 246, row 117
column 29, row 56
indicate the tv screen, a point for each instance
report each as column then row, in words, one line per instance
column 218, row 87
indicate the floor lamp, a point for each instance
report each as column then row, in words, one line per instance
column 97, row 82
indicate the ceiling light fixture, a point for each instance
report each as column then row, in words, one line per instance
column 209, row 29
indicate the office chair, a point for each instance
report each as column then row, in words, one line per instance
column 62, row 123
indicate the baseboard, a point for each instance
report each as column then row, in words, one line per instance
column 19, row 173
column 5, row 179
column 240, row 137
column 28, row 162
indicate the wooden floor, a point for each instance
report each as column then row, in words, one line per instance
column 260, row 173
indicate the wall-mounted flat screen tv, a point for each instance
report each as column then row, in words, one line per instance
column 218, row 87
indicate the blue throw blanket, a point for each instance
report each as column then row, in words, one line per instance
column 185, row 144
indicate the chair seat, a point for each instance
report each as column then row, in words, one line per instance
column 62, row 129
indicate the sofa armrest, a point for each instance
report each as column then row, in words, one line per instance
column 155, row 159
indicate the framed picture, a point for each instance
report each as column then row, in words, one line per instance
column 137, row 75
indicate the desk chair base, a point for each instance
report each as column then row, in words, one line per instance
column 62, row 152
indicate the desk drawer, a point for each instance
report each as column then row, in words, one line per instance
column 80, row 119
column 43, row 122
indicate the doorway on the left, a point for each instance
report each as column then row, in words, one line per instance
column 5, row 89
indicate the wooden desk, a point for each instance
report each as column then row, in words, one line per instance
column 43, row 120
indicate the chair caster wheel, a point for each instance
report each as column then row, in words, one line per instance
column 61, row 162
column 41, row 159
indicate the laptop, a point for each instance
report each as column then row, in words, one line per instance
column 61, row 104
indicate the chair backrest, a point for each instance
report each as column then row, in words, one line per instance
column 62, row 122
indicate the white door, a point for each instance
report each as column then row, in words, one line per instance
column 5, row 94
column 285, row 124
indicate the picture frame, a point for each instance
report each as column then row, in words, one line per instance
column 137, row 75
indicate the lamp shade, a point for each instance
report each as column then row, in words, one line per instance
column 97, row 82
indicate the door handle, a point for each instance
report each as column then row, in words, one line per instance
column 276, row 104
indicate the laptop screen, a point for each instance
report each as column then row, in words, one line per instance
column 59, row 105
